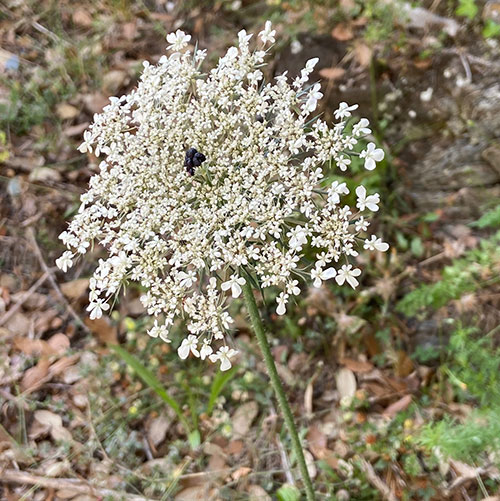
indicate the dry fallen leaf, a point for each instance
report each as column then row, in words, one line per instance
column 66, row 494
column 75, row 130
column 308, row 398
column 398, row 406
column 463, row 469
column 234, row 448
column 35, row 376
column 349, row 324
column 19, row 324
column 404, row 364
column 317, row 441
column 95, row 102
column 257, row 493
column 72, row 375
column 241, row 472
column 363, row 54
column 103, row 329
column 129, row 30
column 62, row 364
column 61, row 434
column 285, row 374
column 356, row 365
column 59, row 343
column 32, row 347
column 81, row 17
column 332, row 73
column 113, row 81
column 66, row 111
column 243, row 418
column 56, row 468
column 342, row 32
column 346, row 384
column 311, row 466
column 195, row 493
column 44, row 174
column 217, row 464
column 75, row 289
column 48, row 419
column 49, row 422
column 158, row 429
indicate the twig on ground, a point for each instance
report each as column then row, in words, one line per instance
column 471, row 58
column 8, row 314
column 11, row 379
column 13, row 398
column 459, row 481
column 284, row 461
column 375, row 480
column 79, row 486
column 52, row 280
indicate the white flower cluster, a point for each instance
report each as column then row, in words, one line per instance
column 209, row 177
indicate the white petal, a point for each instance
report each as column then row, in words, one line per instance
column 328, row 273
column 235, row 290
column 316, row 283
column 361, row 191
column 370, row 163
column 352, row 281
column 225, row 364
column 281, row 309
column 382, row 246
column 164, row 337
column 340, row 278
column 183, row 350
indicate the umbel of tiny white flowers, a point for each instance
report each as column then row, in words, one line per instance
column 184, row 224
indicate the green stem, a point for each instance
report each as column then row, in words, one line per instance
column 258, row 327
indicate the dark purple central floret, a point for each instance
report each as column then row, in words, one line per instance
column 193, row 159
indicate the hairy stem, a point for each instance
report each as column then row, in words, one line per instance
column 258, row 327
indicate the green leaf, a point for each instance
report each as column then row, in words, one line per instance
column 194, row 439
column 417, row 248
column 402, row 241
column 467, row 8
column 288, row 492
column 220, row 380
column 430, row 217
column 150, row 379
column 491, row 29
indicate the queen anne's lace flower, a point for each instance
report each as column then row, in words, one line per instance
column 371, row 156
column 267, row 34
column 234, row 283
column 65, row 261
column 212, row 179
column 369, row 202
column 319, row 275
column 178, row 40
column 189, row 344
column 348, row 274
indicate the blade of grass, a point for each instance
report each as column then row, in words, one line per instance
column 150, row 379
column 192, row 404
column 220, row 380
